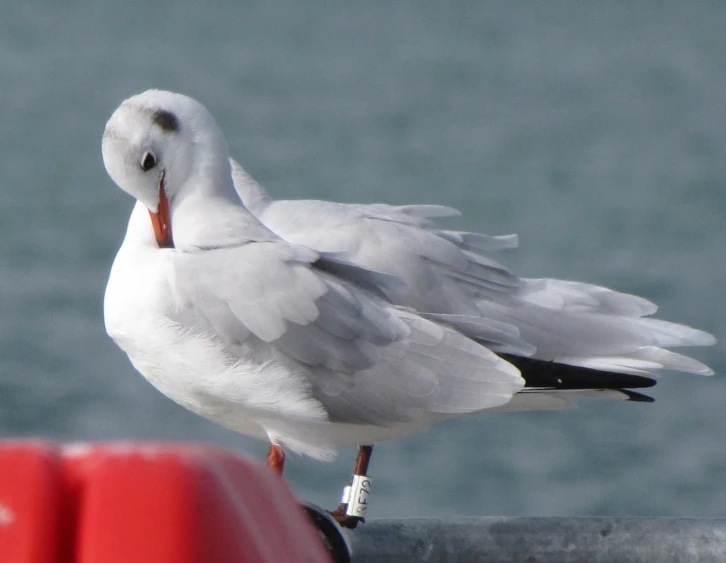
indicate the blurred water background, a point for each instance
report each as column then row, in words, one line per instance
column 596, row 130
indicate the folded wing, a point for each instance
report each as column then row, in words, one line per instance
column 365, row 361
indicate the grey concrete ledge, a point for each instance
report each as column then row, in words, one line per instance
column 540, row 540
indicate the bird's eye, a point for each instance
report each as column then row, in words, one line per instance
column 148, row 161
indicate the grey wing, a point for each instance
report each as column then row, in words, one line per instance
column 270, row 290
column 441, row 278
column 434, row 370
column 442, row 269
column 366, row 362
column 421, row 215
column 446, row 274
column 582, row 324
column 594, row 327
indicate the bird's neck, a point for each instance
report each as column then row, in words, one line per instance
column 208, row 213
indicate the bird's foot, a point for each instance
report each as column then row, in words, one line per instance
column 276, row 459
column 345, row 520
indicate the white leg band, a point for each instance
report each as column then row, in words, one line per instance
column 356, row 496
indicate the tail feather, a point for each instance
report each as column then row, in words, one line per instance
column 648, row 360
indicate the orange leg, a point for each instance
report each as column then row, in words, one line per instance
column 276, row 459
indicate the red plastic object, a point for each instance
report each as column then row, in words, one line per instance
column 138, row 503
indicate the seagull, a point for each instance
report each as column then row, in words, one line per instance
column 317, row 341
column 270, row 339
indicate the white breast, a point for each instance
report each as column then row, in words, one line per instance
column 237, row 387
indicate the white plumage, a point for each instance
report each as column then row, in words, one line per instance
column 271, row 339
column 317, row 325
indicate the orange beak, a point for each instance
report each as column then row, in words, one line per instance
column 161, row 220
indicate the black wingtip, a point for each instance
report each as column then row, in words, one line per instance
column 542, row 373
column 637, row 397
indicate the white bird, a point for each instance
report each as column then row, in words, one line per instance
column 296, row 341
column 273, row 340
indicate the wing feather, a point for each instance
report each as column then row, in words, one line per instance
column 568, row 322
column 366, row 362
